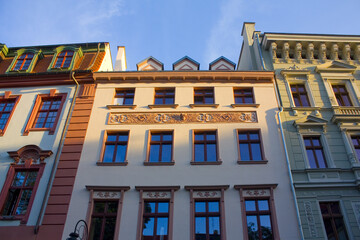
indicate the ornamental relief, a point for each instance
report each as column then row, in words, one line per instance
column 184, row 117
column 156, row 195
column 106, row 195
column 206, row 194
column 310, row 219
column 256, row 193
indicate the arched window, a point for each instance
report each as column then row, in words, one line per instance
column 63, row 60
column 23, row 62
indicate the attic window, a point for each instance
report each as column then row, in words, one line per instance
column 63, row 59
column 23, row 62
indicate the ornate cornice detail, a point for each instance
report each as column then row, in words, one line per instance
column 156, row 195
column 206, row 194
column 183, row 117
column 30, row 153
column 107, row 195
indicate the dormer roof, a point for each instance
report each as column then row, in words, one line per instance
column 222, row 64
column 150, row 64
column 186, row 64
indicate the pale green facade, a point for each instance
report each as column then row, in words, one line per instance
column 320, row 64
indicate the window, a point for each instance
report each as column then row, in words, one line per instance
column 203, row 96
column 205, row 146
column 7, row 106
column 333, row 221
column 116, row 147
column 23, row 62
column 164, row 96
column 46, row 113
column 124, row 97
column 19, row 194
column 315, row 152
column 103, row 220
column 300, row 95
column 258, row 219
column 64, row 59
column 243, row 96
column 155, row 220
column 207, row 220
column 342, row 95
column 160, row 147
column 356, row 143
column 250, row 145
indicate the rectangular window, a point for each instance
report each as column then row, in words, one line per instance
column 333, row 221
column 204, row 96
column 7, row 106
column 116, row 147
column 243, row 96
column 315, row 152
column 342, row 95
column 19, row 194
column 164, row 96
column 258, row 219
column 46, row 113
column 155, row 220
column 23, row 62
column 124, row 97
column 250, row 145
column 161, row 147
column 64, row 59
column 300, row 95
column 356, row 143
column 103, row 220
column 205, row 146
column 207, row 220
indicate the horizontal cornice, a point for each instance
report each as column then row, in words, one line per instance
column 181, row 76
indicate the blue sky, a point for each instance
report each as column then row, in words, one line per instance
column 169, row 29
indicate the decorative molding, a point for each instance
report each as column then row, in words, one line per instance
column 310, row 219
column 256, row 193
column 206, row 194
column 156, row 195
column 184, row 117
column 30, row 154
column 356, row 208
column 106, row 195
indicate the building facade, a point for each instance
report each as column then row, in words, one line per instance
column 183, row 154
column 38, row 89
column 317, row 79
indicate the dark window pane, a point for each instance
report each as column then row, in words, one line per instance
column 199, row 137
column 109, row 228
column 200, row 225
column 200, row 206
column 210, row 136
column 304, row 101
column 163, row 207
column 263, row 205
column 254, row 136
column 166, row 153
column 252, row 227
column 155, row 137
column 167, row 137
column 31, row 179
column 256, row 151
column 24, row 202
column 111, row 138
column 99, row 207
column 320, row 158
column 266, row 229
column 162, row 226
column 19, row 179
column 95, row 231
column 112, row 207
column 148, row 229
column 214, row 226
column 211, row 152
column 244, row 152
column 243, row 136
column 213, row 206
column 311, row 158
column 109, row 153
column 199, row 153
column 250, row 205
column 209, row 100
column 158, row 101
column 123, row 137
column 169, row 101
column 154, row 153
column 149, row 207
column 120, row 153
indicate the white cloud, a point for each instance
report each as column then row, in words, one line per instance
column 225, row 36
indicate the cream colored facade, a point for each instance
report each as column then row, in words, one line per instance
column 320, row 64
column 96, row 180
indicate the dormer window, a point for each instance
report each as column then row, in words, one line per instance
column 63, row 59
column 23, row 62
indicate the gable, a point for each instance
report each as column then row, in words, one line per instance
column 310, row 120
column 186, row 64
column 222, row 64
column 333, row 66
column 150, row 64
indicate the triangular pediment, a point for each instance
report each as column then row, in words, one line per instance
column 333, row 66
column 310, row 120
column 222, row 64
column 150, row 64
column 186, row 64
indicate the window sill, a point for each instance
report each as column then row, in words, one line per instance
column 11, row 218
column 252, row 162
column 245, row 105
column 121, row 106
column 207, row 163
column 151, row 106
column 204, row 105
column 159, row 163
column 112, row 163
column 51, row 130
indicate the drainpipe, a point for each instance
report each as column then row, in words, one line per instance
column 283, row 141
column 57, row 157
